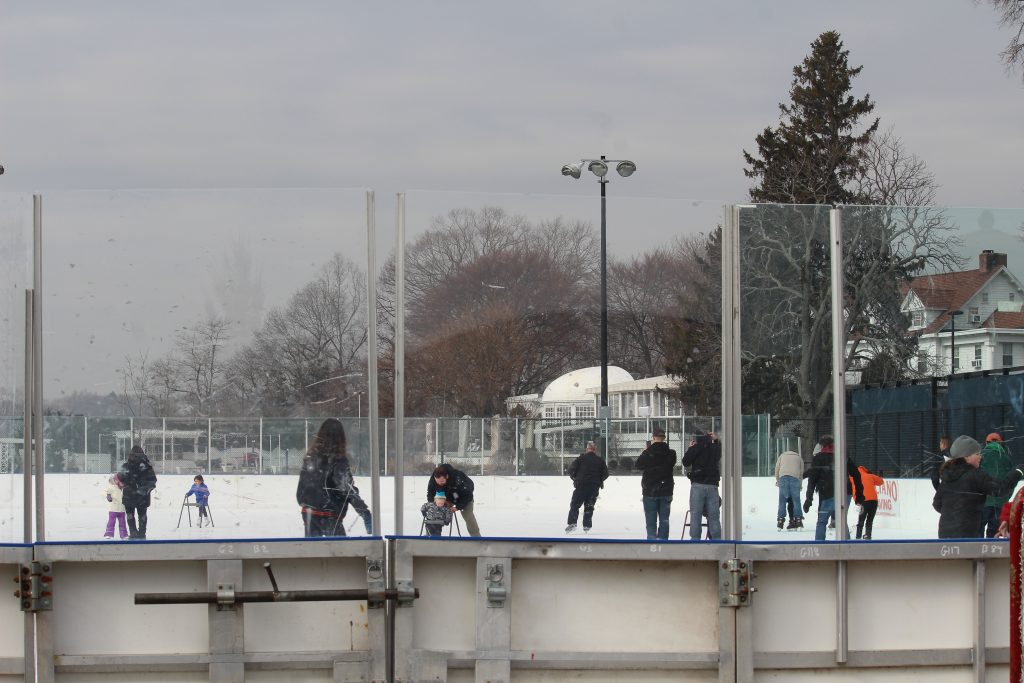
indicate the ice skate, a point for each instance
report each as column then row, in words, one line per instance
column 586, row 529
column 570, row 528
column 781, row 521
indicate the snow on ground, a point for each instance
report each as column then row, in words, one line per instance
column 254, row 506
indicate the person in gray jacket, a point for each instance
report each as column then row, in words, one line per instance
column 789, row 472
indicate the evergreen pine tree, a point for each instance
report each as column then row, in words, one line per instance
column 817, row 151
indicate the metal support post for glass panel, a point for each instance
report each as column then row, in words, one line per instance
column 259, row 460
column 371, row 358
column 26, row 428
column 37, row 362
column 839, row 424
column 399, row 360
column 979, row 621
column 209, row 444
column 731, row 435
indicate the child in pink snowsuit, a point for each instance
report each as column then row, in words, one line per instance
column 116, row 513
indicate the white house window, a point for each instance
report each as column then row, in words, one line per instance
column 922, row 363
column 917, row 319
column 585, row 411
column 984, row 297
column 1007, row 355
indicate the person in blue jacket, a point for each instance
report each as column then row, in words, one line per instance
column 202, row 492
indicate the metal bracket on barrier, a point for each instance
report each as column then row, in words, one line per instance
column 406, row 593
column 35, row 587
column 374, row 584
column 496, row 592
column 225, row 596
column 735, row 585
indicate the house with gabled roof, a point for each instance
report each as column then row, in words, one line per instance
column 968, row 320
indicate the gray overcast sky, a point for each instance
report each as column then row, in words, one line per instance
column 480, row 96
column 464, row 99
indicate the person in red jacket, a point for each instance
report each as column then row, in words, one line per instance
column 869, row 507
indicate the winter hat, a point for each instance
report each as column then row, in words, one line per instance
column 963, row 447
column 439, row 494
column 994, row 436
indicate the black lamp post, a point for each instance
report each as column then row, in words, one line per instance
column 952, row 339
column 599, row 167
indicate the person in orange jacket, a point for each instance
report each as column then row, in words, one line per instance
column 866, row 518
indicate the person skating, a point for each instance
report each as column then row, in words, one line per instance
column 963, row 488
column 115, row 514
column 821, row 479
column 588, row 472
column 789, row 473
column 658, row 462
column 436, row 515
column 139, row 481
column 458, row 489
column 703, row 462
column 866, row 518
column 996, row 461
column 202, row 493
column 325, row 488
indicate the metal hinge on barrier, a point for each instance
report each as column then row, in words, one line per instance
column 375, row 584
column 735, row 583
column 35, row 587
column 495, row 580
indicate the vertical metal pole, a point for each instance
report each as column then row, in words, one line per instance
column 209, row 445
column 731, row 435
column 979, row 621
column 163, row 445
column 603, row 412
column 260, row 459
column 85, row 442
column 517, row 446
column 373, row 408
column 399, row 361
column 840, row 483
column 37, row 355
column 27, row 432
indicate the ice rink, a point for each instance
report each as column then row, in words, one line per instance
column 255, row 506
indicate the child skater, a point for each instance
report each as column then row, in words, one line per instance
column 116, row 514
column 868, row 509
column 202, row 496
column 436, row 515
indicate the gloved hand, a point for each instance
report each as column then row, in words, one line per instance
column 807, row 506
column 110, row 498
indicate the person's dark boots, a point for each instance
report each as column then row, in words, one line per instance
column 781, row 522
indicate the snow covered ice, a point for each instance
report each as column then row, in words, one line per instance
column 263, row 506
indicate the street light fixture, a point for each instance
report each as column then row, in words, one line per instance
column 599, row 167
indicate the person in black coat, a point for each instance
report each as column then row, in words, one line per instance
column 702, row 463
column 658, row 462
column 458, row 490
column 963, row 487
column 821, row 478
column 588, row 472
column 326, row 487
column 139, row 481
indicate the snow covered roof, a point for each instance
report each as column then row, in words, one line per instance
column 574, row 386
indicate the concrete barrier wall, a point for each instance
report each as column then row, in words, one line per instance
column 521, row 610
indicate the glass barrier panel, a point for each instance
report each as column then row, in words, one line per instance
column 214, row 330
column 16, row 277
column 503, row 347
column 786, row 362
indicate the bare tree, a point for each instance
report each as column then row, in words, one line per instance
column 135, row 394
column 479, row 284
column 311, row 352
column 1011, row 14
